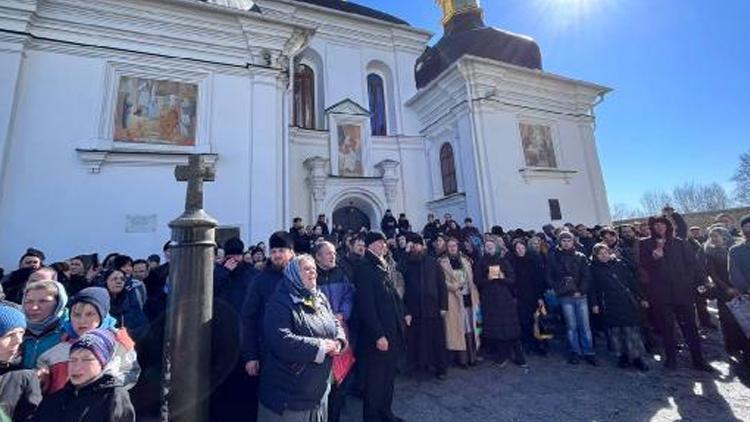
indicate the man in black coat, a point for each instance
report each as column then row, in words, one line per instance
column 264, row 285
column 232, row 278
column 403, row 224
column 381, row 331
column 431, row 229
column 670, row 267
column 388, row 224
column 426, row 303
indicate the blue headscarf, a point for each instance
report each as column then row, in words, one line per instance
column 293, row 275
column 37, row 328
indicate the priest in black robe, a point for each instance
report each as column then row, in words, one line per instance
column 426, row 303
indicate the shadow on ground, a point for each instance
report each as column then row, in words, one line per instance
column 553, row 390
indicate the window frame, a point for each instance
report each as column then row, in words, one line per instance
column 448, row 174
column 383, row 112
column 298, row 118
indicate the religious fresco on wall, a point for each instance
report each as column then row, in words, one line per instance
column 155, row 111
column 538, row 149
column 350, row 150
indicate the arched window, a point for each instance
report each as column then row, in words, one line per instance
column 304, row 97
column 376, row 93
column 448, row 169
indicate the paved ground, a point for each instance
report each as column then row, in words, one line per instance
column 552, row 390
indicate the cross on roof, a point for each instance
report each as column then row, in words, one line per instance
column 195, row 173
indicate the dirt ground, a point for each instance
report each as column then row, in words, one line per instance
column 553, row 390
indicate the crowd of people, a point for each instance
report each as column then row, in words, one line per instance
column 317, row 315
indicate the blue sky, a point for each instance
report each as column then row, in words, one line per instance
column 680, row 69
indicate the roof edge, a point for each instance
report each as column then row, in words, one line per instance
column 408, row 28
column 601, row 89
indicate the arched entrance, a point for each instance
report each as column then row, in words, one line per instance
column 351, row 218
column 353, row 213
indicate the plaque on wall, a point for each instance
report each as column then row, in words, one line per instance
column 140, row 223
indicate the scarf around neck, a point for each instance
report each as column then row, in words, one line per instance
column 109, row 323
column 38, row 328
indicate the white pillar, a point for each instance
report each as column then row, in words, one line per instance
column 317, row 179
column 389, row 174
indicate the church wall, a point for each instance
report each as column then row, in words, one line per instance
column 303, row 146
column 517, row 202
column 466, row 164
column 10, row 68
column 52, row 201
column 415, row 186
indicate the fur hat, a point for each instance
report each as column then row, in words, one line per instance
column 373, row 237
column 415, row 238
column 281, row 239
column 234, row 246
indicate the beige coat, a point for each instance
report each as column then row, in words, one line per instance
column 454, row 326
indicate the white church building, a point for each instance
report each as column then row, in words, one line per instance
column 304, row 107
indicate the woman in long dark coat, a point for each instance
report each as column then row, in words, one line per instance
column 717, row 247
column 501, row 331
column 530, row 287
column 616, row 296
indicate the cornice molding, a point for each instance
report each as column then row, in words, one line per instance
column 187, row 30
column 349, row 28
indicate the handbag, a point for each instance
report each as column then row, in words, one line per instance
column 739, row 307
column 343, row 363
column 543, row 324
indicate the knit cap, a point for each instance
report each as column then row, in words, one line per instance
column 10, row 318
column 98, row 297
column 100, row 342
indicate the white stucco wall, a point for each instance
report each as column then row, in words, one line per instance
column 52, row 202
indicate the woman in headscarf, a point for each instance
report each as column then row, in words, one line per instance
column 301, row 336
column 717, row 249
column 44, row 306
column 125, row 304
column 461, row 324
column 501, row 332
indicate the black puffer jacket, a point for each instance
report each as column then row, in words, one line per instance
column 564, row 265
column 104, row 400
column 615, row 292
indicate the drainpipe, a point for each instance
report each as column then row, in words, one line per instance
column 286, row 120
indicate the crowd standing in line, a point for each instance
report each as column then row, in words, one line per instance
column 322, row 313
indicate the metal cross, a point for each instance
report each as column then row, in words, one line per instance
column 195, row 173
